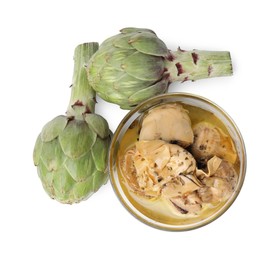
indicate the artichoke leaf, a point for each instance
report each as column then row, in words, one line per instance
column 93, row 77
column 115, row 94
column 100, row 58
column 46, row 177
column 144, row 67
column 81, row 189
column 99, row 179
column 128, row 85
column 156, row 89
column 97, row 124
column 52, row 155
column 80, row 169
column 108, row 42
column 100, row 152
column 53, row 128
column 37, row 150
column 101, row 94
column 62, row 197
column 76, row 139
column 135, row 30
column 122, row 42
column 62, row 181
column 148, row 43
column 117, row 58
column 97, row 62
column 110, row 74
column 91, row 185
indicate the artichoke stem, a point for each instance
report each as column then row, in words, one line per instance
column 83, row 97
column 192, row 65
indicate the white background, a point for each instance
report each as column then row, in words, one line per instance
column 36, row 64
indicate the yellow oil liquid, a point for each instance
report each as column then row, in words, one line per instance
column 160, row 209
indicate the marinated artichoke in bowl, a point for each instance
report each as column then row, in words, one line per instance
column 177, row 165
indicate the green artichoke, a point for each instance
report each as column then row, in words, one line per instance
column 71, row 151
column 135, row 65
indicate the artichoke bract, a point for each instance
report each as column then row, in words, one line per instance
column 71, row 151
column 135, row 65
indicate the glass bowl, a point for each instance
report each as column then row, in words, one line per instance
column 148, row 215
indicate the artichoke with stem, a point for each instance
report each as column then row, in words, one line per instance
column 71, row 151
column 135, row 65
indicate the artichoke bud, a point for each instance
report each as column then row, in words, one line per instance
column 71, row 156
column 135, row 65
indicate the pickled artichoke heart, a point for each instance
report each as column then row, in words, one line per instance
column 135, row 65
column 71, row 151
column 168, row 122
column 158, row 169
column 210, row 140
column 71, row 157
column 219, row 181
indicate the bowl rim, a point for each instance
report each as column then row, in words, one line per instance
column 122, row 197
